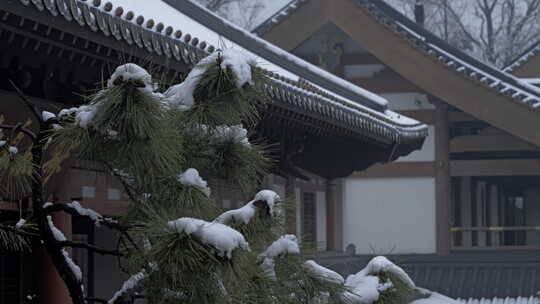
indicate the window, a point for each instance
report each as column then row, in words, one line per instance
column 309, row 230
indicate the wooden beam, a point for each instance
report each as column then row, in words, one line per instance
column 426, row 72
column 497, row 167
column 529, row 69
column 302, row 23
column 385, row 85
column 479, row 143
column 397, row 169
column 442, row 178
column 346, row 59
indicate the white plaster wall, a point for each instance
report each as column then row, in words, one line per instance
column 321, row 220
column 427, row 153
column 389, row 215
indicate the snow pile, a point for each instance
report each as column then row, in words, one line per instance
column 323, row 273
column 45, row 115
column 131, row 72
column 365, row 285
column 83, row 114
column 20, row 223
column 60, row 237
column 2, row 143
column 128, row 285
column 93, row 215
column 246, row 213
column 240, row 63
column 222, row 237
column 180, row 96
column 13, row 150
column 233, row 133
column 284, row 245
column 240, row 215
column 191, row 177
column 268, row 196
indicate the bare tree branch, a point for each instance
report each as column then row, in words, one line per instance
column 90, row 247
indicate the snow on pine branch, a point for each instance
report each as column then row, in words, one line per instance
column 366, row 286
column 180, row 96
column 91, row 214
column 223, row 133
column 286, row 244
column 133, row 73
column 246, row 213
column 191, row 177
column 60, row 237
column 223, row 238
column 322, row 273
column 129, row 285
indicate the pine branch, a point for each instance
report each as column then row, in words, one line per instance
column 18, row 231
column 27, row 102
column 90, row 247
column 17, row 127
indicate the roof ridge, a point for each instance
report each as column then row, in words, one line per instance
column 461, row 62
column 277, row 17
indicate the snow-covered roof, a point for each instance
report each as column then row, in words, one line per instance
column 507, row 300
column 451, row 57
column 279, row 16
column 523, row 58
column 187, row 32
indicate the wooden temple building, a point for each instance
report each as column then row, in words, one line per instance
column 462, row 214
column 56, row 51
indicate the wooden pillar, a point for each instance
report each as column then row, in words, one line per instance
column 466, row 220
column 494, row 214
column 290, row 216
column 334, row 215
column 442, row 178
column 51, row 287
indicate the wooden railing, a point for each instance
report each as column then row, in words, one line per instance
column 495, row 237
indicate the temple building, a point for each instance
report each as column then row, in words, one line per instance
column 326, row 128
column 463, row 212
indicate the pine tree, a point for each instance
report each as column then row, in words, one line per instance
column 178, row 246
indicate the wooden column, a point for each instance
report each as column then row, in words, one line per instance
column 442, row 178
column 51, row 288
column 334, row 215
column 290, row 216
column 466, row 220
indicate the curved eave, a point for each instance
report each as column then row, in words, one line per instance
column 177, row 51
column 527, row 64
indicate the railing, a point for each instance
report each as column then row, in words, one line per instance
column 495, row 237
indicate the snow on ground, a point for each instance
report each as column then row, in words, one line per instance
column 223, row 238
column 191, row 177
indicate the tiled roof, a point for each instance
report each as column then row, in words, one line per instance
column 451, row 57
column 279, row 16
column 524, row 57
column 482, row 274
column 162, row 40
column 447, row 55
